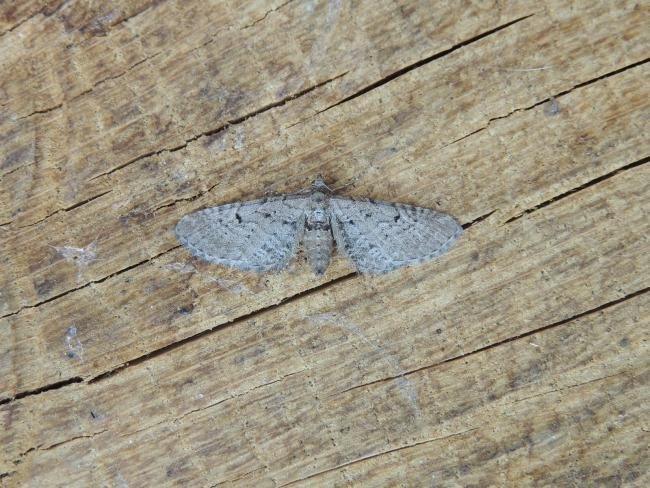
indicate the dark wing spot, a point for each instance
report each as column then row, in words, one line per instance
column 351, row 222
column 397, row 217
column 185, row 309
column 238, row 217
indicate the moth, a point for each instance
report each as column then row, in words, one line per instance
column 263, row 235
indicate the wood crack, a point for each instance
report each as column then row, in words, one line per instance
column 422, row 62
column 240, row 477
column 42, row 389
column 65, row 209
column 91, row 282
column 66, row 441
column 153, row 3
column 588, row 184
column 13, row 170
column 6, row 474
column 221, row 128
column 186, row 199
column 382, row 453
column 553, row 325
column 206, row 407
column 477, row 220
column 23, row 21
column 134, row 65
column 95, row 85
column 199, row 335
column 266, row 14
column 568, row 387
column 557, row 95
column 115, row 77
column 151, row 426
column 48, row 13
column 22, row 456
column 42, row 111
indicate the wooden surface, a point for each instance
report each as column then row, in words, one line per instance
column 520, row 358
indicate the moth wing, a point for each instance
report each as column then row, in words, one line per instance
column 258, row 235
column 381, row 236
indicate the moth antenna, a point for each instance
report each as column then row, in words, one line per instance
column 349, row 184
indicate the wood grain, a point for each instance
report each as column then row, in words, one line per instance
column 519, row 358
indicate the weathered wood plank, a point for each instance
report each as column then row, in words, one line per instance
column 517, row 359
column 528, row 412
column 525, row 43
column 157, row 295
column 151, row 100
column 350, row 338
column 52, row 273
column 524, row 443
column 131, row 205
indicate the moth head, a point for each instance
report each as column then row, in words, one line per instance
column 319, row 185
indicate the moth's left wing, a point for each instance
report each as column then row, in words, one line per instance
column 381, row 236
column 258, row 235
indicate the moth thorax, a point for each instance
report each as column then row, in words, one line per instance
column 318, row 239
column 318, row 215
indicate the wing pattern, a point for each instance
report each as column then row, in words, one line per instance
column 381, row 236
column 258, row 235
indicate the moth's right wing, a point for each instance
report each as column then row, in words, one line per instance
column 258, row 235
column 381, row 236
